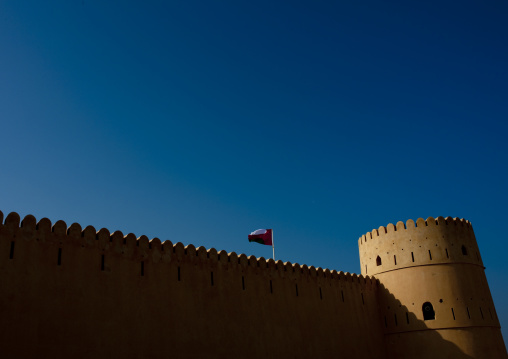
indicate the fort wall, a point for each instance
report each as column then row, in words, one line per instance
column 69, row 291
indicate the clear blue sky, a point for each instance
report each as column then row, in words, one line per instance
column 201, row 121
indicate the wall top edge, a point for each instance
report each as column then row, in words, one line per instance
column 29, row 225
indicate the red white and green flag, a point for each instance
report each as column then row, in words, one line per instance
column 262, row 236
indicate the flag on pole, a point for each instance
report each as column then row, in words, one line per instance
column 262, row 236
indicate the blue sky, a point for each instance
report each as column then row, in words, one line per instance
column 202, row 121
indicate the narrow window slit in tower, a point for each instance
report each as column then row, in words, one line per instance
column 407, row 317
column 468, row 315
column 378, row 261
column 342, row 294
column 477, row 256
column 412, row 256
column 365, row 269
column 178, row 273
column 395, row 317
column 11, row 254
column 296, row 286
column 464, row 250
column 243, row 283
column 320, row 294
column 363, row 301
column 453, row 313
column 481, row 312
column 59, row 256
column 430, row 255
column 211, row 278
column 395, row 259
column 490, row 314
column 446, row 250
column 386, row 323
column 142, row 268
column 102, row 262
column 271, row 288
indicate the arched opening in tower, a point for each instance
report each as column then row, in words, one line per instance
column 378, row 261
column 428, row 311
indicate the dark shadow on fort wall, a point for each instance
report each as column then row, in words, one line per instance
column 406, row 336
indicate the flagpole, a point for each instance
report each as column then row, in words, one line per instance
column 273, row 246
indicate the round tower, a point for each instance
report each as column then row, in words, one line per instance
column 434, row 298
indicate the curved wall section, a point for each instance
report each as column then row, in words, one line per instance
column 432, row 281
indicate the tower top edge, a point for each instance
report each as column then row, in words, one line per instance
column 417, row 225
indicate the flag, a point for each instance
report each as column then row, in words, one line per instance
column 262, row 236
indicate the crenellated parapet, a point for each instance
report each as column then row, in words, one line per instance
column 430, row 241
column 113, row 251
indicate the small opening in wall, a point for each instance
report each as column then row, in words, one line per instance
column 464, row 250
column 365, row 269
column 407, row 317
column 481, row 312
column 378, row 261
column 395, row 317
column 102, row 262
column 477, row 257
column 446, row 250
column 11, row 253
column 178, row 273
column 59, row 261
column 142, row 268
column 211, row 278
column 243, row 283
column 430, row 255
column 320, row 294
column 363, row 301
column 342, row 294
column 453, row 313
column 428, row 311
column 490, row 314
column 468, row 315
column 395, row 259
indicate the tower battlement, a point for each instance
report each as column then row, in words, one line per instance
column 430, row 241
